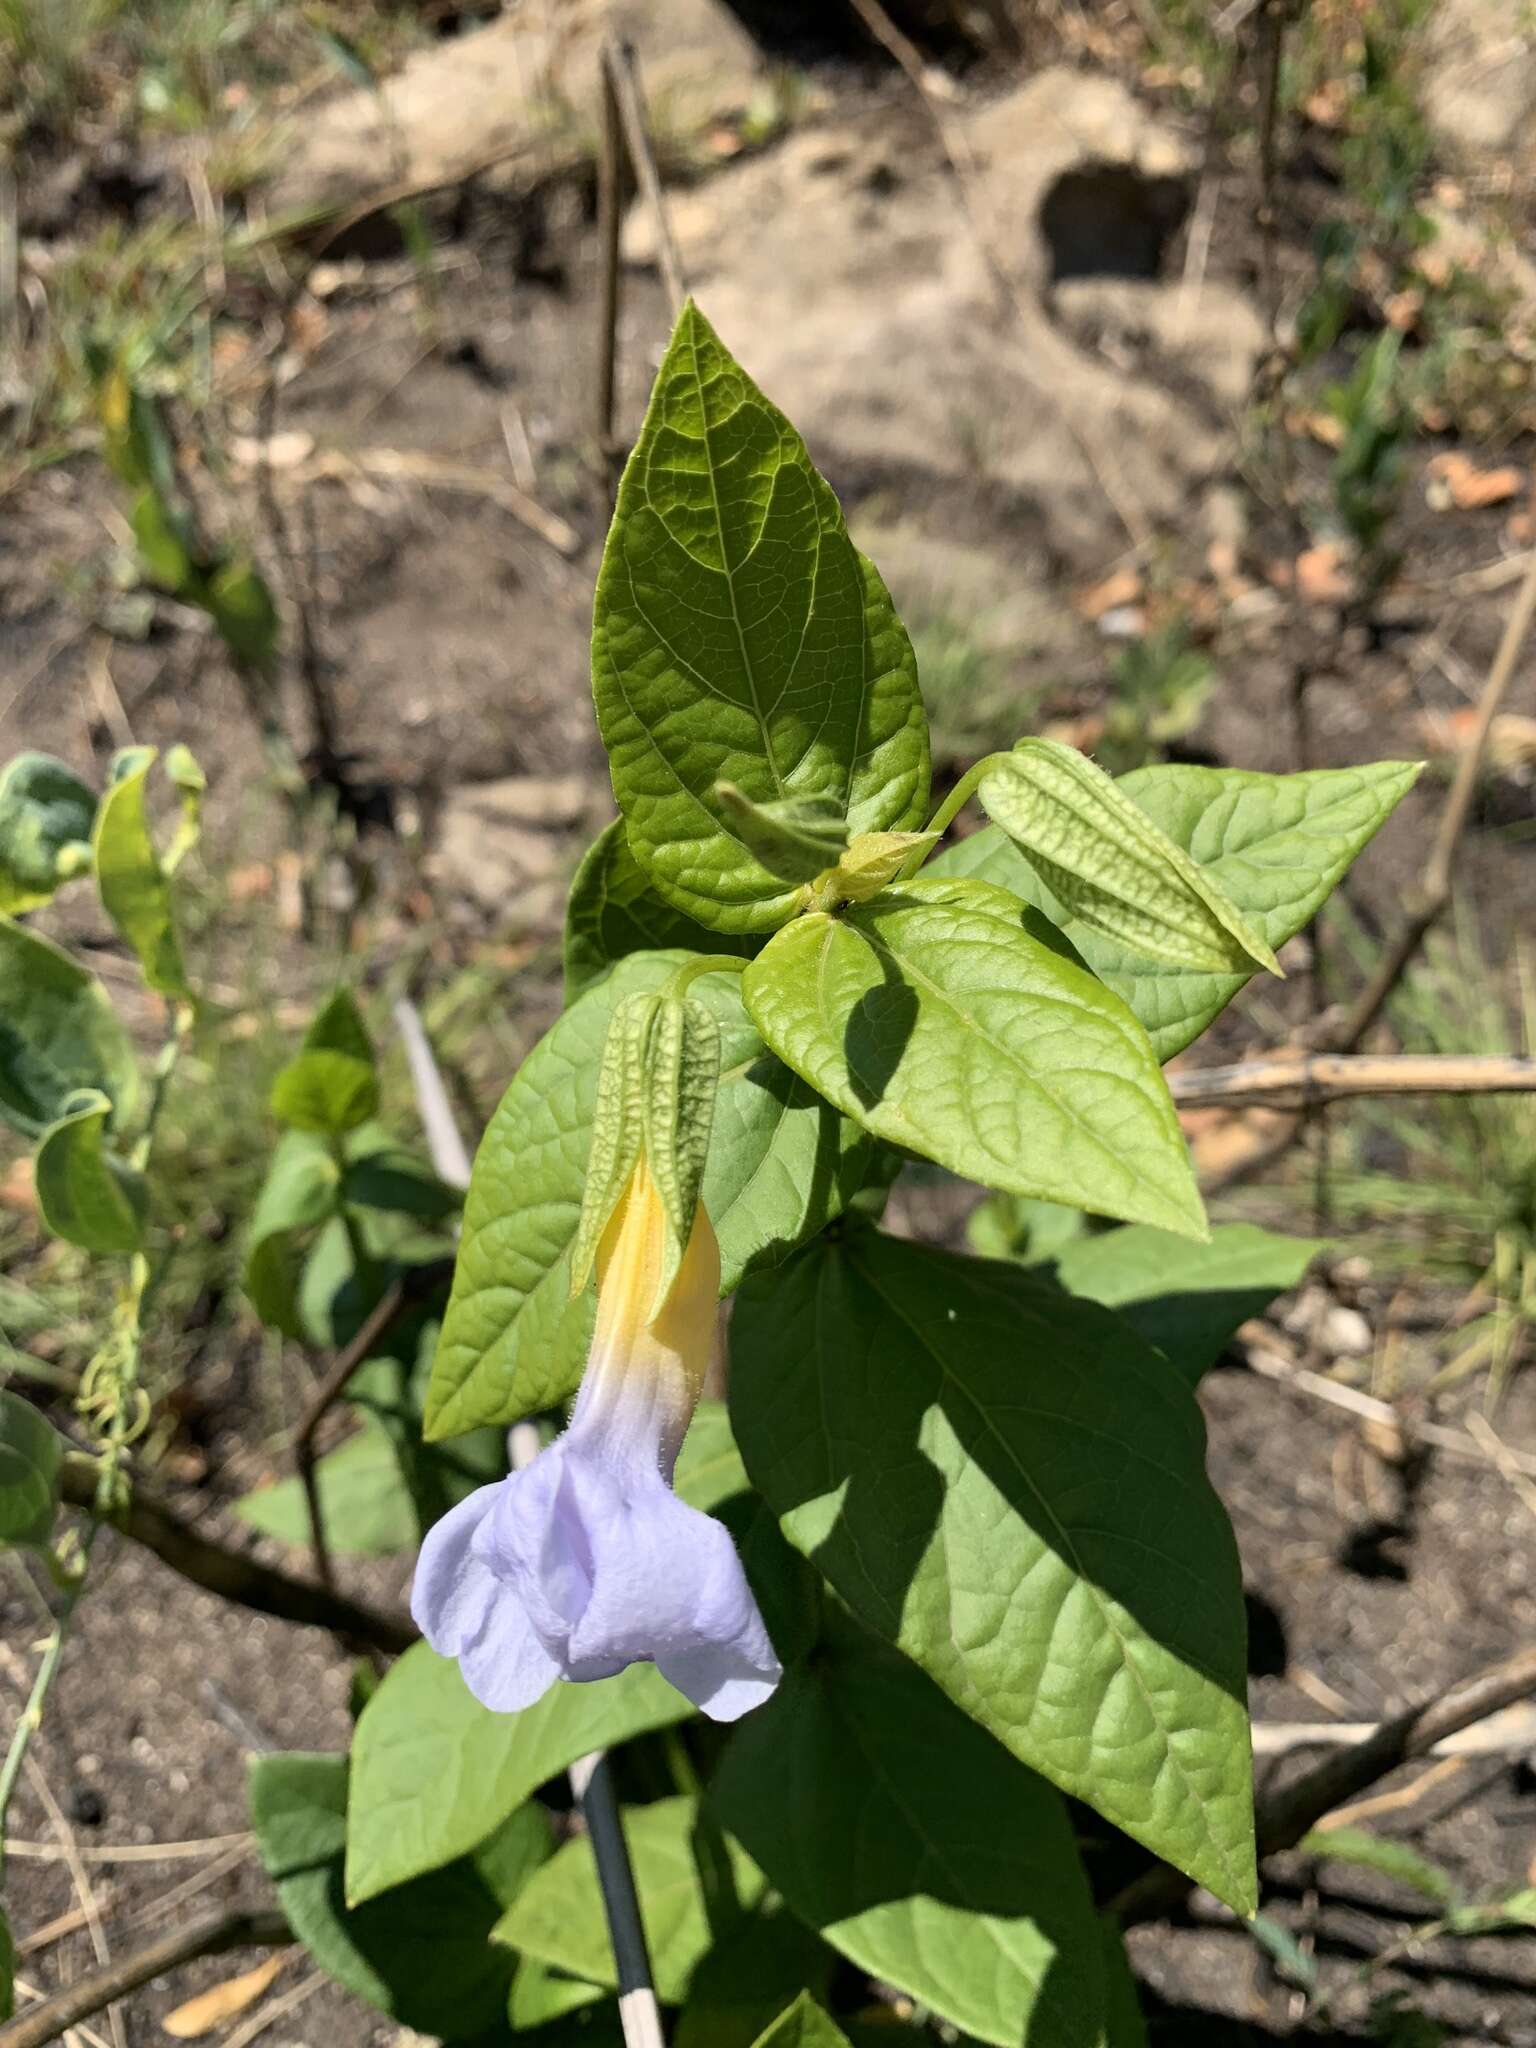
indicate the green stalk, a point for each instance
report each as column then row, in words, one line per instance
column 953, row 805
column 706, row 963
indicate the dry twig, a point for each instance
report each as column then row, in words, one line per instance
column 1454, row 1442
column 1329, row 1077
column 401, row 1294
column 149, row 1521
column 210, row 1936
column 1434, row 891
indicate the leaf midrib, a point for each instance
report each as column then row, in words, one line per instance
column 725, row 563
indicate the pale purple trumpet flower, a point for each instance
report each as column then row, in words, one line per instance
column 586, row 1561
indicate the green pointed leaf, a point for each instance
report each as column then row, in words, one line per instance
column 1114, row 870
column 363, row 1496
column 133, row 885
column 325, row 1091
column 940, row 1022
column 85, row 1192
column 339, row 1026
column 46, row 813
column 558, row 1917
column 332, row 1084
column 738, row 636
column 30, row 1455
column 1186, row 1299
column 433, row 1772
column 160, row 534
column 1277, row 845
column 424, row 1954
column 795, row 838
column 613, row 911
column 298, row 1195
column 781, row 1165
column 803, row 2025
column 1009, row 1485
column 58, row 1034
column 541, row 1996
column 918, row 1847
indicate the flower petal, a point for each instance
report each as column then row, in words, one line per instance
column 452, row 1590
column 667, row 1585
column 506, row 1667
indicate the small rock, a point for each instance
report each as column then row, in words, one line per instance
column 1343, row 1333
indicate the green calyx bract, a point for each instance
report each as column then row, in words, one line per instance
column 1112, row 867
column 655, row 1096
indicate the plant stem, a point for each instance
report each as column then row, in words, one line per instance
column 952, row 806
column 165, row 1066
column 149, row 1521
column 32, row 1714
column 706, row 963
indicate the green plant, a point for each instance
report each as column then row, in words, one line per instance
column 1159, row 687
column 1459, row 1194
column 1367, row 470
column 951, row 1553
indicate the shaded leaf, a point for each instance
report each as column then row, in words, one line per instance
column 918, row 1847
column 58, row 1034
column 423, row 1954
column 30, row 1455
column 85, row 1192
column 1397, row 1860
column 1186, row 1299
column 1008, row 1484
column 297, row 1196
column 613, row 911
column 934, row 1017
column 363, row 1497
column 803, row 2025
column 748, row 1976
column 1124, row 2025
column 738, row 636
